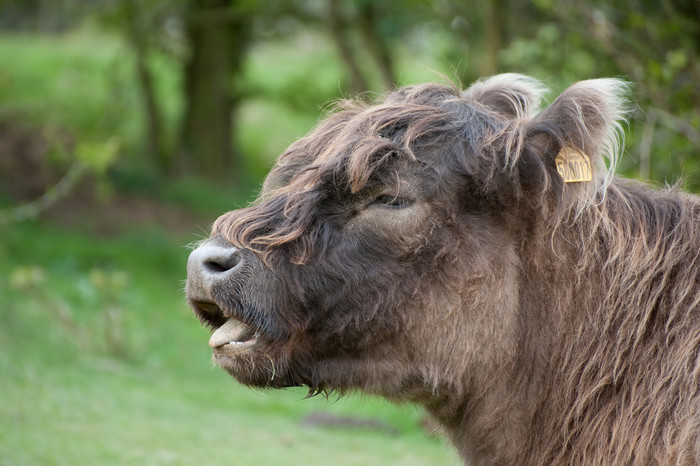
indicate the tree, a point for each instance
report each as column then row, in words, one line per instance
column 137, row 27
column 657, row 46
column 219, row 34
column 143, row 26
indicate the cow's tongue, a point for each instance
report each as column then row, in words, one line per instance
column 233, row 331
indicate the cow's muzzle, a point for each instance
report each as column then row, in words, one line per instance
column 211, row 266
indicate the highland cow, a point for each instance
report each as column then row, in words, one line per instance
column 467, row 252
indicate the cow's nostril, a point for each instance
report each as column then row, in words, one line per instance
column 214, row 267
column 209, row 264
column 223, row 263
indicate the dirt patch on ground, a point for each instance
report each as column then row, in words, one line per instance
column 324, row 419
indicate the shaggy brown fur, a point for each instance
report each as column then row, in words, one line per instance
column 425, row 248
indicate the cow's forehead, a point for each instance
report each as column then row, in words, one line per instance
column 354, row 146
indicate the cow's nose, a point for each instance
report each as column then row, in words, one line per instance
column 208, row 265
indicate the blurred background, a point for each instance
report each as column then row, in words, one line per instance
column 128, row 126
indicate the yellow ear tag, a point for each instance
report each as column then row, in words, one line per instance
column 573, row 165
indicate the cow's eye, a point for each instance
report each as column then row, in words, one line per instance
column 394, row 202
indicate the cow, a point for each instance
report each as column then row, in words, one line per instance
column 474, row 253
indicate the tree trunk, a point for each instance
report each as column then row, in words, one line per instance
column 218, row 38
column 336, row 27
column 154, row 124
column 495, row 19
column 376, row 43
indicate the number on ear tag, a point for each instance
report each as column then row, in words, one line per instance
column 573, row 165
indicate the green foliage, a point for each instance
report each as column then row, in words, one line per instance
column 200, row 196
column 85, row 82
column 656, row 45
column 97, row 156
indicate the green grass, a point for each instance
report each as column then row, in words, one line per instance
column 101, row 362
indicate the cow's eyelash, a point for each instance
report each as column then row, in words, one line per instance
column 392, row 201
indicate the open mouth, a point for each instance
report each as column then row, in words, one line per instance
column 233, row 335
column 230, row 334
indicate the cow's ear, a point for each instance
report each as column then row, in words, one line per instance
column 572, row 146
column 510, row 95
